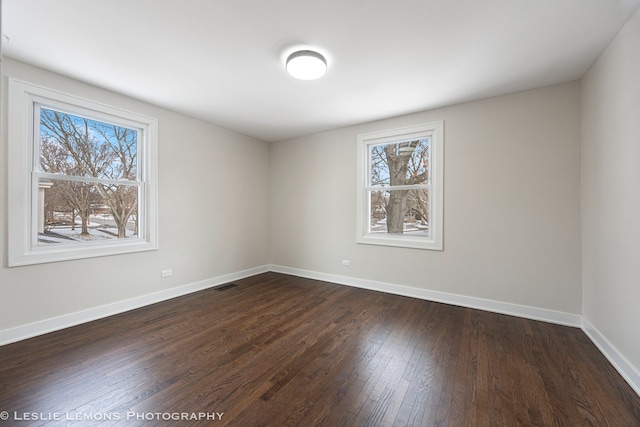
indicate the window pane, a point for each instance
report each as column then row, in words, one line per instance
column 400, row 212
column 400, row 163
column 78, row 146
column 77, row 212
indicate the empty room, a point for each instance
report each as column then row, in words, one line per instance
column 270, row 213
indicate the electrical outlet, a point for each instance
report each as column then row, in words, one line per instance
column 166, row 273
column 346, row 262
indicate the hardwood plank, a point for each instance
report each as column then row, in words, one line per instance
column 277, row 350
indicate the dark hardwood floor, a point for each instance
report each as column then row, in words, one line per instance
column 277, row 350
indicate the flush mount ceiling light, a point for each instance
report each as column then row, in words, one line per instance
column 306, row 65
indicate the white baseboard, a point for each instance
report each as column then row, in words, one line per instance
column 619, row 362
column 72, row 319
column 550, row 316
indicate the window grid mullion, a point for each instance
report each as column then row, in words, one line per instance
column 400, row 187
column 61, row 177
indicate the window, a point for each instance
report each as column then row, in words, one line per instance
column 400, row 187
column 82, row 177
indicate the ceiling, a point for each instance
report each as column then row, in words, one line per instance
column 223, row 60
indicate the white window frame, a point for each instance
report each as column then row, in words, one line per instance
column 23, row 132
column 435, row 131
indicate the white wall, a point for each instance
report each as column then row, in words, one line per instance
column 209, row 220
column 611, row 194
column 512, row 203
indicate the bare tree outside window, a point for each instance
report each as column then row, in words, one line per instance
column 91, row 169
column 82, row 177
column 400, row 187
column 399, row 202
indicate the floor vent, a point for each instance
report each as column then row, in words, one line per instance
column 225, row 287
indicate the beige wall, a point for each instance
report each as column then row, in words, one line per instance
column 208, row 225
column 512, row 203
column 611, row 193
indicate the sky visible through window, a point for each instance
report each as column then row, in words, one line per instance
column 90, row 179
column 413, row 153
column 79, row 146
column 398, row 199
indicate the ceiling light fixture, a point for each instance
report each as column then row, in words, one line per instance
column 306, row 65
